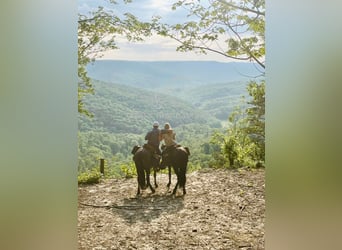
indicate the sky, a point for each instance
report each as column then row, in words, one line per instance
column 155, row 48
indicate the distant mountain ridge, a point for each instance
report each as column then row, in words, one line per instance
column 213, row 87
column 175, row 73
column 120, row 108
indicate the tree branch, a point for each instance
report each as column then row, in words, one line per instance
column 248, row 51
column 242, row 8
column 209, row 49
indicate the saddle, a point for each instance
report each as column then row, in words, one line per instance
column 155, row 157
column 151, row 149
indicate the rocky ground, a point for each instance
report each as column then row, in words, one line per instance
column 221, row 210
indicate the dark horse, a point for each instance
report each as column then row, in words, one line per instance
column 143, row 163
column 177, row 157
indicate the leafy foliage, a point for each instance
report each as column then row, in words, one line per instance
column 236, row 30
column 97, row 32
column 232, row 29
column 243, row 144
column 129, row 170
column 89, row 177
column 256, row 118
column 114, row 148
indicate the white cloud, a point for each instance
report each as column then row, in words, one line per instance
column 158, row 49
column 160, row 6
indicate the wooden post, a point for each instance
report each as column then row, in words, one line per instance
column 102, row 166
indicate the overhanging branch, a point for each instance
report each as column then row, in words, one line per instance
column 242, row 8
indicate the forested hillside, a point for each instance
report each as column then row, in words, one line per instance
column 218, row 99
column 124, row 108
column 213, row 87
column 124, row 114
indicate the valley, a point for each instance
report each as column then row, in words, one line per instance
column 195, row 97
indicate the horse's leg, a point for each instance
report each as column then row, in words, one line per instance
column 148, row 181
column 184, row 191
column 175, row 189
column 177, row 174
column 182, row 174
column 138, row 193
column 169, row 184
column 155, row 177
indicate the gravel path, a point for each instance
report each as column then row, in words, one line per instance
column 222, row 210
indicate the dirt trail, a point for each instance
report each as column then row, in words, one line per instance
column 221, row 210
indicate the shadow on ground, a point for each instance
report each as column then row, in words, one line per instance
column 147, row 208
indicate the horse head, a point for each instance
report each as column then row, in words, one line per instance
column 135, row 149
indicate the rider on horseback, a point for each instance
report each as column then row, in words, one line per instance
column 153, row 138
column 168, row 136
